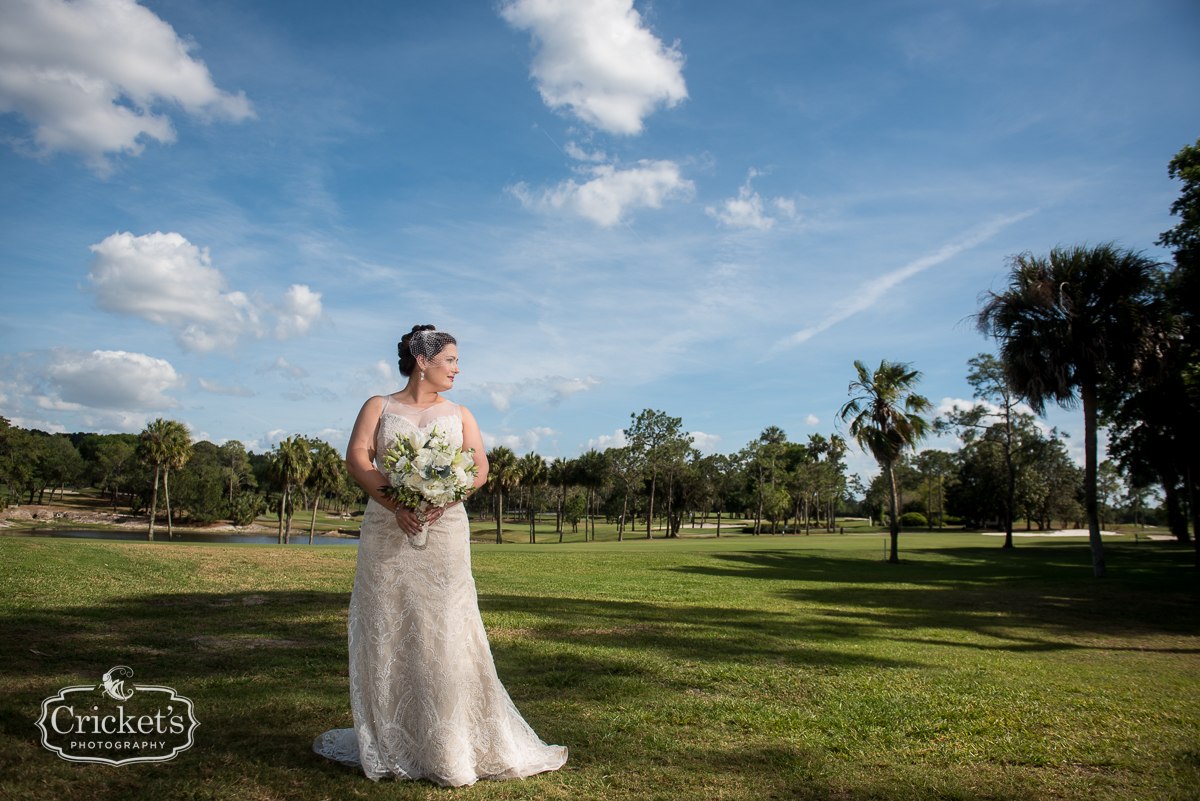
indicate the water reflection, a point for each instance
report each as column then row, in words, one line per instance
column 180, row 536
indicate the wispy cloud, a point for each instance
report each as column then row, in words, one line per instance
column 874, row 290
column 748, row 210
column 611, row 192
column 284, row 368
column 217, row 388
column 553, row 390
column 523, row 442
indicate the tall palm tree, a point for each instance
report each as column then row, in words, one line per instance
column 504, row 475
column 885, row 419
column 326, row 472
column 166, row 445
column 1068, row 321
column 593, row 473
column 559, row 474
column 291, row 462
column 534, row 474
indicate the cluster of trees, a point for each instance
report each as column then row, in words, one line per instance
column 1101, row 327
column 162, row 469
column 659, row 476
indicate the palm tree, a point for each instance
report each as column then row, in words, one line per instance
column 326, row 472
column 166, row 445
column 593, row 473
column 887, row 419
column 291, row 462
column 533, row 475
column 559, row 474
column 1068, row 321
column 504, row 474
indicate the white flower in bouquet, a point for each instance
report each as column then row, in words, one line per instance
column 427, row 470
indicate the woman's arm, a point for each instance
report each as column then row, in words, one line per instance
column 360, row 453
column 473, row 439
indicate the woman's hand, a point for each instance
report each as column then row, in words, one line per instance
column 411, row 522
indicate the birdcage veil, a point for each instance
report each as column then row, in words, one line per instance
column 429, row 343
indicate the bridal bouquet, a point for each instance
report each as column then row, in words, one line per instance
column 427, row 470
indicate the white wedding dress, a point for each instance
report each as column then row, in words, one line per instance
column 426, row 700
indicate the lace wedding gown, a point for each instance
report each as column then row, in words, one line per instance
column 426, row 700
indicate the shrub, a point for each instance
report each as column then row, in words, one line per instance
column 246, row 507
column 914, row 520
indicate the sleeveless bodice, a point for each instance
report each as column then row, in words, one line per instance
column 400, row 418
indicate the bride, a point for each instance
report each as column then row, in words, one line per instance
column 426, row 700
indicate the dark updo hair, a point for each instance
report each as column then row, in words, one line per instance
column 431, row 345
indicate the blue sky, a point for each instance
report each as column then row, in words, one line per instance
column 228, row 213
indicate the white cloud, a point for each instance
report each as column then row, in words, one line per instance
column 375, row 379
column 553, row 390
column 596, row 59
column 605, row 441
column 299, row 312
column 786, row 206
column 812, row 420
column 107, row 389
column 576, row 152
column 501, row 395
column 747, row 210
column 525, row 442
column 109, row 379
column 87, row 75
column 166, row 279
column 869, row 294
column 283, row 367
column 217, row 388
column 705, row 443
column 611, row 192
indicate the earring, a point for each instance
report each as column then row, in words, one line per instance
column 422, row 375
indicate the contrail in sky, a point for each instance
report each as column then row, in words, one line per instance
column 875, row 289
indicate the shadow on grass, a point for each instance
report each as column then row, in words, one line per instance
column 1041, row 598
column 267, row 673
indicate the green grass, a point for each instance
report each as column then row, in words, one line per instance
column 740, row 668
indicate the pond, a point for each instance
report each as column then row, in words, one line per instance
column 160, row 535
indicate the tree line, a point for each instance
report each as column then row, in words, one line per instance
column 161, row 470
column 659, row 480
